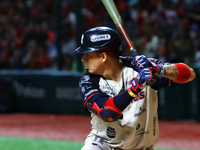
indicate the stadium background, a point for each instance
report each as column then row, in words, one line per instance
column 39, row 72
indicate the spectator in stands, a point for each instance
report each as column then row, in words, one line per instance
column 67, row 62
column 184, row 46
column 145, row 21
column 197, row 57
column 37, row 57
column 18, row 54
column 4, row 60
column 163, row 54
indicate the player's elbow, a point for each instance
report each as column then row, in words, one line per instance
column 109, row 115
column 192, row 75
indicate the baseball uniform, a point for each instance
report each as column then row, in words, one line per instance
column 137, row 129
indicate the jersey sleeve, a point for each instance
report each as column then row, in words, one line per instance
column 108, row 108
column 90, row 92
column 161, row 82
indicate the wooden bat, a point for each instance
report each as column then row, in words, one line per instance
column 114, row 14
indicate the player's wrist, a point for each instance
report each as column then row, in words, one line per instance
column 157, row 69
column 161, row 71
column 135, row 88
column 131, row 93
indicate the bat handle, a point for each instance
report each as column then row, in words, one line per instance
column 134, row 52
column 126, row 37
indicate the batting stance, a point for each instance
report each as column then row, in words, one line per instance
column 121, row 92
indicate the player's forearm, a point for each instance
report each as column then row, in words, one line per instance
column 172, row 72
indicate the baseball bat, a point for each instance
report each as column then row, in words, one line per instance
column 114, row 14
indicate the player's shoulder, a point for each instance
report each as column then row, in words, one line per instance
column 90, row 78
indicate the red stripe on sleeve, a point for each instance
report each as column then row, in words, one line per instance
column 90, row 97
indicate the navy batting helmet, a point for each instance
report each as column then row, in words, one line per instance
column 100, row 38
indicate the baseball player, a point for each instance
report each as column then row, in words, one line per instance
column 121, row 92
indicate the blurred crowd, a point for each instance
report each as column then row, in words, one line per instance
column 168, row 30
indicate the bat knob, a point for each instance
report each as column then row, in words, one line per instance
column 134, row 52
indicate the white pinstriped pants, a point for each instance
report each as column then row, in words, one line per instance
column 96, row 143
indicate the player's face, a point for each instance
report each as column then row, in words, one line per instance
column 93, row 62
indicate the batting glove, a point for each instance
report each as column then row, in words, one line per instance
column 137, row 82
column 142, row 61
column 157, row 69
column 137, row 62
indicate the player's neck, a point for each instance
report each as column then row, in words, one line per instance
column 113, row 72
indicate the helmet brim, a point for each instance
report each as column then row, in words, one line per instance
column 83, row 49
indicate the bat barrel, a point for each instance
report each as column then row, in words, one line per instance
column 114, row 14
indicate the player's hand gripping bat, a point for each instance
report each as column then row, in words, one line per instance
column 114, row 14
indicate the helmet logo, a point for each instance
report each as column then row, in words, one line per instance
column 102, row 37
column 82, row 38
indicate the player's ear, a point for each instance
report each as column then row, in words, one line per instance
column 104, row 56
